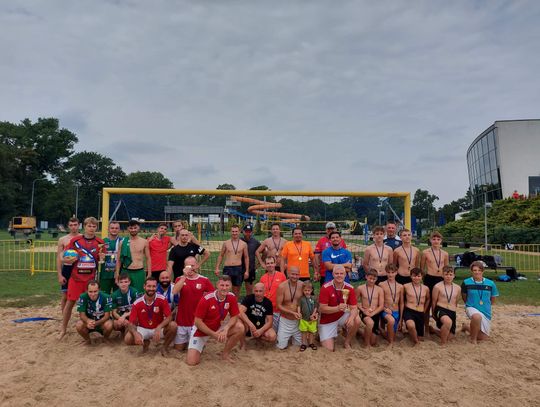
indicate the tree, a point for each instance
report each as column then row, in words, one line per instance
column 146, row 179
column 450, row 210
column 422, row 207
column 230, row 187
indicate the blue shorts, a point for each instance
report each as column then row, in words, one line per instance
column 236, row 273
column 395, row 314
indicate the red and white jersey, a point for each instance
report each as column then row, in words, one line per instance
column 189, row 297
column 149, row 316
column 332, row 297
column 212, row 311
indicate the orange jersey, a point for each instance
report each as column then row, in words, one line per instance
column 298, row 256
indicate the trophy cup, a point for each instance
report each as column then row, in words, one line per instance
column 345, row 294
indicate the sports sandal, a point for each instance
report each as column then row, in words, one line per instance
column 312, row 346
column 303, row 348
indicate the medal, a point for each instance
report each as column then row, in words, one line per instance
column 150, row 322
column 370, row 310
column 258, row 323
column 437, row 262
column 419, row 308
column 481, row 302
column 380, row 254
column 418, row 297
column 299, row 251
column 299, row 258
column 448, row 297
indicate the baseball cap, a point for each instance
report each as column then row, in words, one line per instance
column 248, row 228
column 330, row 225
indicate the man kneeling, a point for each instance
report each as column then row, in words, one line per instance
column 256, row 313
column 94, row 307
column 211, row 311
column 150, row 318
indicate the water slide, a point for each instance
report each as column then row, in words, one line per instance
column 262, row 208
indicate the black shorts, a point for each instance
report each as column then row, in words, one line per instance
column 430, row 281
column 252, row 277
column 66, row 273
column 236, row 273
column 156, row 274
column 380, row 279
column 440, row 312
column 376, row 321
column 417, row 317
column 402, row 279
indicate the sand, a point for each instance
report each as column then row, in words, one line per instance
column 37, row 370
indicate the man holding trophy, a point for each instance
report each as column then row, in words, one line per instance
column 338, row 309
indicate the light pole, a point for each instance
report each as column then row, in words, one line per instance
column 32, row 198
column 485, row 220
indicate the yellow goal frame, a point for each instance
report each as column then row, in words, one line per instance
column 228, row 192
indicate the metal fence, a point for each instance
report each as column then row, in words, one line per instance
column 524, row 257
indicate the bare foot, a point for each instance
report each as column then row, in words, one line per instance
column 227, row 357
column 164, row 351
column 62, row 334
column 347, row 345
column 390, row 345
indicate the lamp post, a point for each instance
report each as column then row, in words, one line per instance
column 486, row 205
column 32, row 197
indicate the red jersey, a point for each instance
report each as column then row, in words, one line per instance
column 332, row 297
column 323, row 244
column 189, row 297
column 84, row 269
column 212, row 311
column 149, row 316
column 158, row 252
column 271, row 285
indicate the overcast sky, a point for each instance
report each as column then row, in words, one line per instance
column 309, row 95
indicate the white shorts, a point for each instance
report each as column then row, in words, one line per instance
column 275, row 323
column 288, row 328
column 147, row 334
column 485, row 324
column 197, row 342
column 183, row 333
column 330, row 331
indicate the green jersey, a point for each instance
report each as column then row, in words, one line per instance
column 94, row 309
column 111, row 257
column 122, row 302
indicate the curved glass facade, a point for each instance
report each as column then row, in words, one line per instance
column 483, row 165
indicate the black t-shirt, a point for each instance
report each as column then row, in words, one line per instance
column 179, row 254
column 257, row 311
column 252, row 244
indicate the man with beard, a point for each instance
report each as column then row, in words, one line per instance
column 150, row 319
column 297, row 254
column 335, row 255
column 94, row 308
column 108, row 268
column 158, row 245
column 133, row 250
column 189, row 289
column 165, row 288
column 323, row 244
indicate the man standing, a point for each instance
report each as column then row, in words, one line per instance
column 89, row 250
column 256, row 313
column 64, row 270
column 323, row 244
column 211, row 311
column 133, row 250
column 252, row 246
column 181, row 251
column 406, row 257
column 378, row 255
column 108, row 268
column 335, row 255
column 338, row 309
column 178, row 226
column 297, row 254
column 391, row 239
column 158, row 245
column 288, row 298
column 272, row 246
column 94, row 308
column 189, row 289
column 235, row 253
column 150, row 319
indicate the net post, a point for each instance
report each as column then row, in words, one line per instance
column 105, row 213
column 407, row 211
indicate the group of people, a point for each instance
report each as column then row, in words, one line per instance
column 151, row 289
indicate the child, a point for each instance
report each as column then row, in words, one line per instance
column 416, row 303
column 308, row 307
column 406, row 257
column 370, row 306
column 393, row 304
column 378, row 255
column 444, row 305
column 122, row 299
column 478, row 294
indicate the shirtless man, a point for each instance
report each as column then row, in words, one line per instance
column 416, row 303
column 378, row 255
column 64, row 270
column 338, row 309
column 370, row 305
column 393, row 304
column 444, row 304
column 406, row 257
column 233, row 250
column 288, row 298
column 433, row 261
column 272, row 246
column 133, row 249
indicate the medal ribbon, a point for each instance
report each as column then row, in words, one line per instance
column 446, row 293
column 393, row 294
column 221, row 307
column 481, row 291
column 434, row 258
column 381, row 254
column 340, row 296
column 235, row 248
column 409, row 259
column 419, row 296
column 299, row 251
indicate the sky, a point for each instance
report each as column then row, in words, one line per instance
column 295, row 95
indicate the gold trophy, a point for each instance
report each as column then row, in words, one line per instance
column 345, row 294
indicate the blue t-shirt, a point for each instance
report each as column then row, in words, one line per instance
column 336, row 256
column 393, row 242
column 477, row 292
column 171, row 298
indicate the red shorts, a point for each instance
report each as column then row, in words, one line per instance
column 75, row 289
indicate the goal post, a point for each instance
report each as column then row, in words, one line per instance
column 406, row 196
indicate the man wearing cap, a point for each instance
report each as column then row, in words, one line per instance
column 252, row 244
column 391, row 239
column 323, row 244
column 133, row 250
